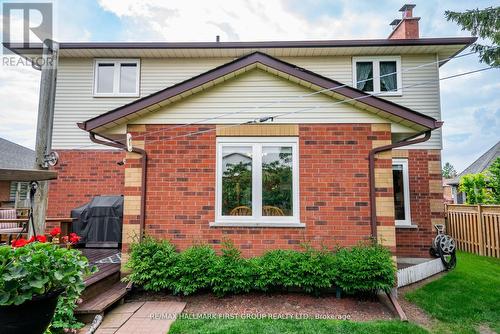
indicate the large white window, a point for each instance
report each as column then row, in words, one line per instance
column 401, row 187
column 381, row 75
column 257, row 181
column 116, row 77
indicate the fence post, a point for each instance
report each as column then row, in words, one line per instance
column 481, row 229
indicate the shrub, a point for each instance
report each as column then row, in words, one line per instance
column 311, row 270
column 40, row 268
column 277, row 270
column 365, row 269
column 193, row 268
column 153, row 264
column 231, row 274
column 316, row 270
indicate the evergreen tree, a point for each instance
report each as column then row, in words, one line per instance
column 483, row 23
column 449, row 171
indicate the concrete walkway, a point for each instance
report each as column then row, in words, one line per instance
column 141, row 318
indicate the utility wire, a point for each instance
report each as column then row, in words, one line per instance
column 266, row 118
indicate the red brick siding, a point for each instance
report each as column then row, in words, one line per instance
column 334, row 196
column 416, row 242
column 82, row 175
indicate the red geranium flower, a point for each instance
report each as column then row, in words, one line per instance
column 55, row 231
column 30, row 240
column 21, row 242
column 41, row 238
column 74, row 238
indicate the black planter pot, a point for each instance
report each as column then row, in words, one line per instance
column 31, row 317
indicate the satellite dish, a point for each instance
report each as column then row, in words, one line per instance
column 129, row 142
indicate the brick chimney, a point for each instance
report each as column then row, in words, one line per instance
column 407, row 27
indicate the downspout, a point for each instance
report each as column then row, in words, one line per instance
column 371, row 167
column 144, row 162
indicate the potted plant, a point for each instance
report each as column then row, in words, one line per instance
column 37, row 277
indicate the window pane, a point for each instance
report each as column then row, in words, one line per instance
column 277, row 194
column 105, row 73
column 236, row 181
column 388, row 76
column 128, row 78
column 399, row 197
column 364, row 76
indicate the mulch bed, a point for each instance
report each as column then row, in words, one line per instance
column 281, row 304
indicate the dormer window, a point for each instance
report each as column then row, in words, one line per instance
column 377, row 75
column 116, row 77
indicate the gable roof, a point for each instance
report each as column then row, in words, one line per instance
column 15, row 156
column 481, row 164
column 275, row 65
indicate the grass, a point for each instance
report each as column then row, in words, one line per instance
column 464, row 299
column 283, row 326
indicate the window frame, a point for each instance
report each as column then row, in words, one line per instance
column 257, row 219
column 406, row 192
column 376, row 74
column 116, row 77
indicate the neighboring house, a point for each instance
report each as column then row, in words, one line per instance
column 14, row 156
column 182, row 103
column 447, row 192
column 480, row 165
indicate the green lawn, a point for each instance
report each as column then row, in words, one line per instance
column 270, row 326
column 466, row 297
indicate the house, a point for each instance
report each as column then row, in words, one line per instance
column 14, row 156
column 344, row 138
column 480, row 165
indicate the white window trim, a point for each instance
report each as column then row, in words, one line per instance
column 406, row 190
column 376, row 74
column 116, row 78
column 257, row 220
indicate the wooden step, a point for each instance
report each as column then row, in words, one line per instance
column 100, row 303
column 102, row 280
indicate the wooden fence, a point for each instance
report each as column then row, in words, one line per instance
column 476, row 228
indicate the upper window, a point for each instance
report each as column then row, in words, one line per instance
column 378, row 75
column 401, row 189
column 257, row 180
column 116, row 77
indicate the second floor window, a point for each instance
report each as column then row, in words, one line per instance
column 116, row 77
column 377, row 75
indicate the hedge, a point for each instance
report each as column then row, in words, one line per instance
column 156, row 265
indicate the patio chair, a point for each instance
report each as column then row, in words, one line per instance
column 14, row 227
column 241, row 211
column 269, row 210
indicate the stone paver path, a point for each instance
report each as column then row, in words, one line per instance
column 141, row 318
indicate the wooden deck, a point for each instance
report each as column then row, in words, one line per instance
column 104, row 269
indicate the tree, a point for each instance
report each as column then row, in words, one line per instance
column 475, row 189
column 484, row 23
column 449, row 171
column 494, row 181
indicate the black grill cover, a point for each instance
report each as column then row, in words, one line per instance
column 99, row 222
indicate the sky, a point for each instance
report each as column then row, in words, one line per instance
column 470, row 104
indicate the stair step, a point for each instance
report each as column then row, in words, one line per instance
column 98, row 304
column 106, row 277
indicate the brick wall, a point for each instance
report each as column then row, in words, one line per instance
column 82, row 175
column 426, row 202
column 334, row 189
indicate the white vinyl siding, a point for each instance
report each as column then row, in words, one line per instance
column 75, row 101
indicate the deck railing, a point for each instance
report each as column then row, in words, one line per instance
column 476, row 228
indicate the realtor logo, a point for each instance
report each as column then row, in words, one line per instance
column 25, row 24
